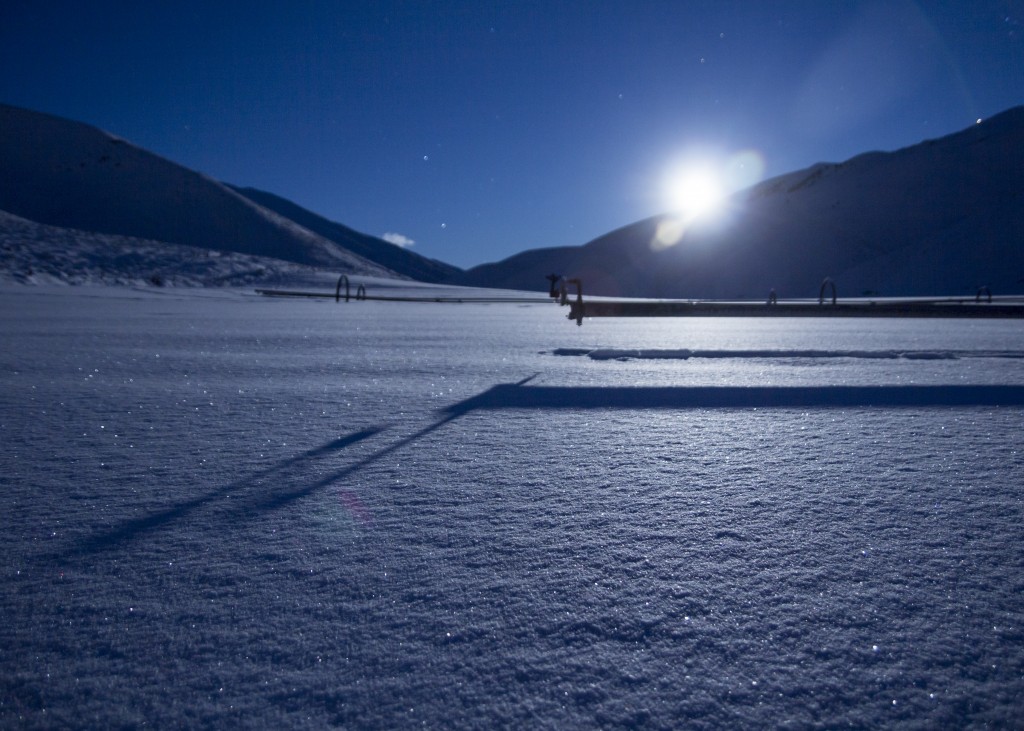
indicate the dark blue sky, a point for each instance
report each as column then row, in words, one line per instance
column 479, row 129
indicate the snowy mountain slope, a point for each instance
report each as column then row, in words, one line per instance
column 942, row 217
column 68, row 174
column 34, row 253
column 395, row 258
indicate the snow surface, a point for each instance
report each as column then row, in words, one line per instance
column 35, row 253
column 227, row 510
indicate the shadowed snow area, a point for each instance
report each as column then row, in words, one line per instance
column 227, row 510
column 685, row 353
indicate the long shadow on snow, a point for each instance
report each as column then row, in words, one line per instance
column 130, row 529
column 520, row 396
column 133, row 528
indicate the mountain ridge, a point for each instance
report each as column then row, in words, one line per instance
column 71, row 175
column 369, row 247
column 944, row 216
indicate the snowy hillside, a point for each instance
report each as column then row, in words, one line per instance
column 942, row 217
column 74, row 176
column 34, row 253
column 377, row 250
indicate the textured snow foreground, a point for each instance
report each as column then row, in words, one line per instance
column 227, row 510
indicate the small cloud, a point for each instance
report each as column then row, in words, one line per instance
column 398, row 240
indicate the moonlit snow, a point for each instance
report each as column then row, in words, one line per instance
column 224, row 510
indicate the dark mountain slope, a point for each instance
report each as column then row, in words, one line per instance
column 68, row 174
column 395, row 258
column 942, row 217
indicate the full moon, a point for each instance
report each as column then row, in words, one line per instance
column 694, row 191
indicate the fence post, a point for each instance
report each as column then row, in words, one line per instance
column 827, row 282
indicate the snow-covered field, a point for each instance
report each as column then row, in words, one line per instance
column 225, row 510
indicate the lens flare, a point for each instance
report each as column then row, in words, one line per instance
column 744, row 168
column 698, row 189
column 669, row 232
